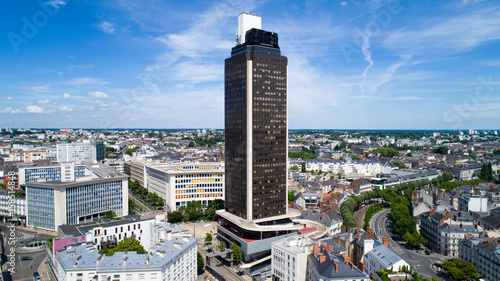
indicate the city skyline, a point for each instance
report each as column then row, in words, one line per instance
column 374, row 65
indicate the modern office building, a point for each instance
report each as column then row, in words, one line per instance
column 57, row 196
column 256, row 134
column 256, row 123
column 180, row 183
column 81, row 152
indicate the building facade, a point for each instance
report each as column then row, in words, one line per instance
column 485, row 256
column 50, row 204
column 289, row 258
column 256, row 131
column 81, row 152
column 181, row 183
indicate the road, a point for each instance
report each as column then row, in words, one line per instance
column 23, row 269
column 381, row 225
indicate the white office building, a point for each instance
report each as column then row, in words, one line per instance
column 289, row 257
column 180, row 183
column 82, row 193
column 80, row 152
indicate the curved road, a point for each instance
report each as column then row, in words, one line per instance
column 421, row 262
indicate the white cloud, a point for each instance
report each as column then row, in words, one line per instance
column 66, row 96
column 37, row 110
column 55, row 3
column 86, row 81
column 343, row 4
column 98, row 95
column 43, row 101
column 65, row 108
column 11, row 111
column 107, row 27
column 455, row 34
column 10, row 98
column 43, row 88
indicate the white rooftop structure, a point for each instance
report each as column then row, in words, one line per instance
column 246, row 21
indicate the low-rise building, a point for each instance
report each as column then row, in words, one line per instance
column 381, row 257
column 171, row 258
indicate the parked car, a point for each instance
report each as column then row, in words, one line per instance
column 26, row 258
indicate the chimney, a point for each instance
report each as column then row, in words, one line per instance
column 352, row 265
column 347, row 259
column 359, row 236
column 315, row 249
column 336, row 266
column 385, row 241
column 322, row 258
column 361, row 266
column 330, row 248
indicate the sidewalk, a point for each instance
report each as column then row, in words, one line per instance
column 44, row 271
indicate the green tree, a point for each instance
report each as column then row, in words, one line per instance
column 400, row 165
column 127, row 245
column 236, row 253
column 486, row 173
column 175, row 216
column 291, row 197
column 447, row 176
column 441, row 150
column 109, row 215
column 303, row 170
column 222, row 246
column 460, row 269
column 496, row 151
column 294, row 168
column 208, row 237
column 200, row 262
column 129, row 151
column 193, row 211
column 386, row 151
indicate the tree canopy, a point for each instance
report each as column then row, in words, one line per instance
column 236, row 253
column 460, row 269
column 386, row 151
column 441, row 150
column 127, row 245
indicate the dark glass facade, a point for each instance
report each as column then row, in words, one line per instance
column 259, row 152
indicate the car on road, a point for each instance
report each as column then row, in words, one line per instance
column 26, row 258
column 36, row 276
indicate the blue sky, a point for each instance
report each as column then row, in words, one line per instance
column 160, row 64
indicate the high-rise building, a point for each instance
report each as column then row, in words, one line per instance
column 256, row 133
column 256, row 123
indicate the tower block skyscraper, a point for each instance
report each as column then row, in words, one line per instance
column 256, row 123
column 256, row 150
